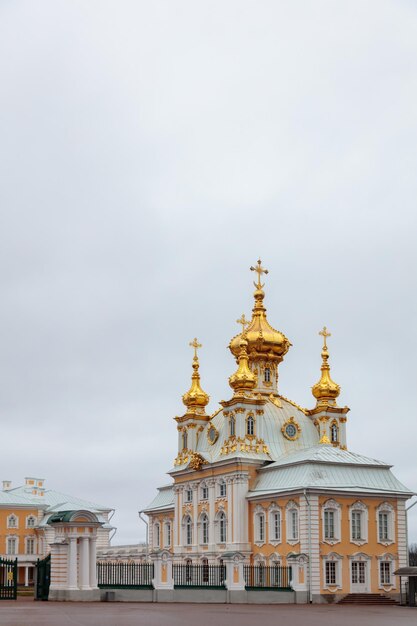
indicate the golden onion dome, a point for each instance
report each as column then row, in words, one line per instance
column 326, row 390
column 263, row 340
column 243, row 379
column 195, row 397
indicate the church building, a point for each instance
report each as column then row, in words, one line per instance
column 276, row 482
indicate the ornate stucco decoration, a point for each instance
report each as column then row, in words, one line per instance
column 197, row 461
column 241, row 444
column 291, row 429
column 212, row 435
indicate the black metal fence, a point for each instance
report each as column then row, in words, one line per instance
column 201, row 575
column 125, row 575
column 267, row 577
column 8, row 579
column 43, row 578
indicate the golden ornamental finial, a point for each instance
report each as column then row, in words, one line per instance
column 325, row 334
column 326, row 390
column 244, row 322
column 324, row 439
column 194, row 344
column 259, row 270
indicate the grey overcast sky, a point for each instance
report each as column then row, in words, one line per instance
column 150, row 152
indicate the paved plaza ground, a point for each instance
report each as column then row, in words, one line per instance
column 30, row 613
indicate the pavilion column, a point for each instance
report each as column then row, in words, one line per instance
column 93, row 562
column 84, row 563
column 72, row 564
column 26, row 576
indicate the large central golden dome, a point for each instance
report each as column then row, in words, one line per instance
column 263, row 341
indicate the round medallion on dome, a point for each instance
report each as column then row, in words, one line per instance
column 212, row 435
column 290, row 429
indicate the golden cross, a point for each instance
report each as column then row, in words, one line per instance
column 244, row 322
column 194, row 344
column 259, row 270
column 325, row 334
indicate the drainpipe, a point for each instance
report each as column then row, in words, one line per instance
column 147, row 534
column 310, row 595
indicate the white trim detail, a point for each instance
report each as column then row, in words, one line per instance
column 358, row 507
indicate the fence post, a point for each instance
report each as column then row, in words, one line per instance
column 234, row 571
column 162, row 562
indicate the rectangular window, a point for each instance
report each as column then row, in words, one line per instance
column 261, row 527
column 222, row 490
column 276, row 533
column 189, row 495
column 11, row 545
column 385, row 572
column 383, row 527
column 189, row 530
column 356, row 525
column 293, row 524
column 168, row 534
column 30, row 545
column 329, row 524
column 204, row 493
column 157, row 537
column 330, row 572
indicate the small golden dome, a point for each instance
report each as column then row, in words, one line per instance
column 263, row 340
column 326, row 390
column 243, row 379
column 195, row 397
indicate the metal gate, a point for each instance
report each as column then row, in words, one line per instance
column 43, row 578
column 8, row 579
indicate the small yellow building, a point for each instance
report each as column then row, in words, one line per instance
column 24, row 530
column 275, row 482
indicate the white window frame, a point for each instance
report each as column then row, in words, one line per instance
column 11, row 517
column 292, row 509
column 203, row 490
column 188, row 495
column 359, row 507
column 222, row 488
column 334, row 507
column 390, row 560
column 12, row 540
column 385, row 508
column 336, row 426
column 157, row 535
column 167, row 533
column 30, row 540
column 29, row 519
column 205, row 529
column 273, row 538
column 336, row 559
column 259, row 525
column 232, row 426
column 188, row 530
column 222, row 524
column 250, row 420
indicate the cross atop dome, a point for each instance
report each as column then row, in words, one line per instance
column 194, row 344
column 259, row 270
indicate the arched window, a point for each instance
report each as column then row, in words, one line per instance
column 184, row 440
column 250, row 425
column 232, row 426
column 157, row 535
column 30, row 522
column 204, row 529
column 267, row 375
column 259, row 522
column 167, row 538
column 188, row 530
column 334, row 432
column 222, row 527
column 12, row 521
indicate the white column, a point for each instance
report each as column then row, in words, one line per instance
column 84, row 564
column 195, row 513
column 212, row 497
column 230, row 516
column 235, row 532
column 177, row 517
column 93, row 562
column 26, row 576
column 72, row 564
